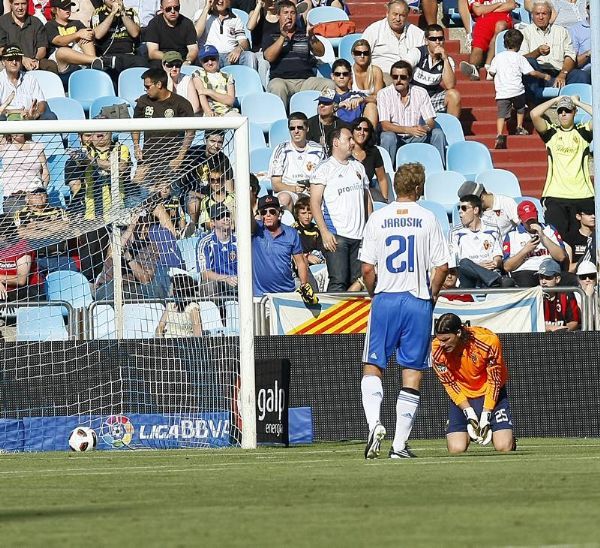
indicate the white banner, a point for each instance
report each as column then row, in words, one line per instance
column 521, row 312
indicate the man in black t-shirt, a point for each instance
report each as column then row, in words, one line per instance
column 581, row 240
column 292, row 56
column 159, row 102
column 171, row 31
column 117, row 33
column 322, row 124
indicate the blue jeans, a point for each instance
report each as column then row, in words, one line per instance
column 343, row 265
column 247, row 58
column 392, row 141
column 534, row 87
column 472, row 275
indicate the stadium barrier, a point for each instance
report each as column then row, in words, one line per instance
column 554, row 386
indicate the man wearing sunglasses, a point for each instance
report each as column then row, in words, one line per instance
column 325, row 121
column 587, row 277
column 218, row 26
column 274, row 246
column 117, row 34
column 434, row 71
column 568, row 182
column 171, row 31
column 406, row 114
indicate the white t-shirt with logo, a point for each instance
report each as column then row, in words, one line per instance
column 294, row 165
column 508, row 68
column 478, row 245
column 405, row 241
column 343, row 196
column 502, row 216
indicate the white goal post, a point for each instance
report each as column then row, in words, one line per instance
column 116, row 217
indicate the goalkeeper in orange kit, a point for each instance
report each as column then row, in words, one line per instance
column 469, row 363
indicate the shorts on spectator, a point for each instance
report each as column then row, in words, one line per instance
column 52, row 57
column 505, row 106
column 438, row 100
column 485, row 27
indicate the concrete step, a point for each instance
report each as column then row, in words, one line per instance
column 517, row 150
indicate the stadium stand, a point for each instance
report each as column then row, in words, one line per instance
column 500, row 181
column 305, row 101
column 86, row 85
column 263, row 109
column 468, row 158
column 423, row 153
column 442, row 187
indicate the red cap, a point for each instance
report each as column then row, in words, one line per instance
column 527, row 211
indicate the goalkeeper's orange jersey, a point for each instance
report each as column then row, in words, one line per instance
column 478, row 371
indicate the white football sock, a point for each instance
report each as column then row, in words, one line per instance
column 372, row 396
column 406, row 411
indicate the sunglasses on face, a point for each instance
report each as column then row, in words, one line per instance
column 224, row 216
column 587, row 276
column 215, row 179
column 361, row 128
column 269, row 211
column 172, row 9
column 173, row 65
column 341, row 74
column 148, row 86
column 564, row 110
column 296, row 128
column 436, row 38
column 361, row 53
column 464, row 207
column 402, row 77
column 208, row 59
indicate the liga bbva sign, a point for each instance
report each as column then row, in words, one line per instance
column 519, row 312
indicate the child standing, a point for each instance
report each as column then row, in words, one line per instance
column 508, row 68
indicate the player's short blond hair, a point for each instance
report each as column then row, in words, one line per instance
column 409, row 179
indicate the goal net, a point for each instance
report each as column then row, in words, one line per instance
column 125, row 283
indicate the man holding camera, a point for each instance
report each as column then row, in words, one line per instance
column 117, row 34
column 293, row 162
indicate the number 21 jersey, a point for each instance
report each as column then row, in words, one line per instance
column 404, row 241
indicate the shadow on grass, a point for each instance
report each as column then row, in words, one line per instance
column 27, row 514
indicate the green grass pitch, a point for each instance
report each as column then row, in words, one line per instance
column 547, row 493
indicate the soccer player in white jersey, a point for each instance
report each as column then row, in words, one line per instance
column 293, row 162
column 340, row 202
column 403, row 243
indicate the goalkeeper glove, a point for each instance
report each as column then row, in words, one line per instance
column 485, row 428
column 472, row 423
column 307, row 294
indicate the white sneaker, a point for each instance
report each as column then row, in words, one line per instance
column 469, row 70
column 374, row 442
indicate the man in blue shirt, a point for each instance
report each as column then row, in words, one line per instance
column 274, row 245
column 581, row 36
column 216, row 254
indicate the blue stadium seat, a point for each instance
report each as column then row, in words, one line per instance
column 257, row 137
column 442, row 187
column 468, row 158
column 108, row 101
column 72, row 287
column 305, row 101
column 103, row 322
column 66, row 108
column 188, row 247
column 41, row 323
column 324, row 70
column 232, row 317
column 345, row 47
column 140, row 320
column 58, row 190
column 86, row 85
column 325, row 14
column 259, row 161
column 263, row 109
column 537, row 203
column 247, row 80
column 424, row 153
column 130, row 85
column 500, row 181
column 584, row 91
column 50, row 83
column 211, row 318
column 440, row 212
column 451, row 127
column 500, row 42
column 279, row 133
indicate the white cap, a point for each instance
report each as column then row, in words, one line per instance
column 586, row 267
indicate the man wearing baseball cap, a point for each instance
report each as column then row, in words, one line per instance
column 325, row 121
column 561, row 312
column 499, row 211
column 568, row 183
column 216, row 254
column 274, row 245
column 527, row 245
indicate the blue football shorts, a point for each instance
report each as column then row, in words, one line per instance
column 399, row 322
column 501, row 417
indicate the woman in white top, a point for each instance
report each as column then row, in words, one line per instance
column 179, row 83
column 366, row 77
column 182, row 317
column 24, row 168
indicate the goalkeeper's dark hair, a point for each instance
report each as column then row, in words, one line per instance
column 448, row 324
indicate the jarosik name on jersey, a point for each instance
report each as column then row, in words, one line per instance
column 402, row 222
